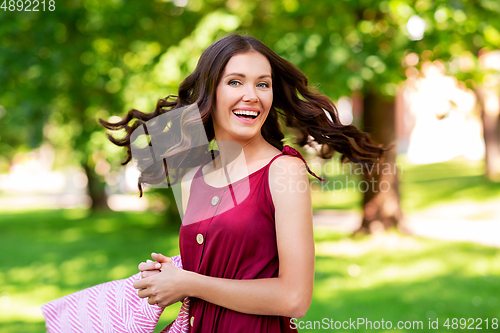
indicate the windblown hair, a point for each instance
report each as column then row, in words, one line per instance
column 310, row 113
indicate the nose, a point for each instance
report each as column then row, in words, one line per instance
column 250, row 96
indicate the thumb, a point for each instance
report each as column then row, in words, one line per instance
column 161, row 258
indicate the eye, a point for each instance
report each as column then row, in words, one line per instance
column 263, row 85
column 233, row 83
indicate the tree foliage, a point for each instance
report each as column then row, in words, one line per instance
column 89, row 59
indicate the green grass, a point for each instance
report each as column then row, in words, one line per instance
column 48, row 254
column 421, row 186
column 454, row 181
column 398, row 277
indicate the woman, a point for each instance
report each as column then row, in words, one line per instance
column 246, row 239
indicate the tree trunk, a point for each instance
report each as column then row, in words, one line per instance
column 96, row 189
column 489, row 103
column 381, row 201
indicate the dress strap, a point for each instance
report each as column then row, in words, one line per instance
column 287, row 150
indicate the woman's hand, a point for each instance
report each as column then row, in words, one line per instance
column 164, row 288
column 150, row 267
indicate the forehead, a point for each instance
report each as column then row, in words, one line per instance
column 250, row 63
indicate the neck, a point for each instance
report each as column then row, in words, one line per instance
column 238, row 154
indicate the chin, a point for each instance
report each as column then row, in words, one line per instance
column 244, row 135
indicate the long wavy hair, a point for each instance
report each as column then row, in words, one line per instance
column 310, row 113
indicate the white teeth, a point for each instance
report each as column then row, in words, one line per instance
column 246, row 113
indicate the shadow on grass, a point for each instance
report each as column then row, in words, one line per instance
column 421, row 194
column 443, row 297
column 50, row 254
column 402, row 278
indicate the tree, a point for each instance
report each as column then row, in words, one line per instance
column 488, row 96
column 62, row 70
column 461, row 33
column 105, row 58
column 488, row 101
column 361, row 48
column 353, row 46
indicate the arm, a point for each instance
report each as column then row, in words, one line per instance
column 290, row 293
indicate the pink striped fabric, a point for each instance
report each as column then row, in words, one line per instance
column 111, row 307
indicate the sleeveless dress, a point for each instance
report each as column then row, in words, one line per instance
column 229, row 232
column 232, row 236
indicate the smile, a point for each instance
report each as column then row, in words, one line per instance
column 246, row 116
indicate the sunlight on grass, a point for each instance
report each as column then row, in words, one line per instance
column 391, row 276
column 23, row 307
column 75, row 214
column 106, row 225
column 398, row 277
column 422, row 270
column 422, row 186
column 352, row 248
column 58, row 252
column 344, row 199
column 458, row 180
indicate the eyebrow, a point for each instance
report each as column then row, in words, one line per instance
column 243, row 75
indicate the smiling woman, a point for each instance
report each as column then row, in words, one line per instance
column 244, row 97
column 247, row 246
column 311, row 114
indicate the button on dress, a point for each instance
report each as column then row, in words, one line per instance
column 229, row 232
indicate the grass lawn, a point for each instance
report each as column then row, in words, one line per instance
column 48, row 254
column 422, row 186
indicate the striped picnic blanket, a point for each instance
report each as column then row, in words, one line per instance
column 111, row 307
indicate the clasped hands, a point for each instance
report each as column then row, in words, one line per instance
column 161, row 282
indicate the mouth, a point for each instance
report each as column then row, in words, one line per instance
column 246, row 114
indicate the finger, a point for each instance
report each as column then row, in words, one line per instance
column 161, row 258
column 147, row 274
column 143, row 293
column 152, row 300
column 143, row 266
column 140, row 284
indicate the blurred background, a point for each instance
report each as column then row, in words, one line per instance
column 422, row 75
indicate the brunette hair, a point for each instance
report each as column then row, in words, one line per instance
column 310, row 113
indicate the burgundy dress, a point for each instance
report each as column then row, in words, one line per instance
column 229, row 232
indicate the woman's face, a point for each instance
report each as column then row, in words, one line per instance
column 243, row 98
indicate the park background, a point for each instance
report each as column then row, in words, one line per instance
column 422, row 75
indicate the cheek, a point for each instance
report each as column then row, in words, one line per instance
column 267, row 100
column 220, row 93
column 227, row 96
column 220, row 103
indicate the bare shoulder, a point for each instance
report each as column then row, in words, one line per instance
column 288, row 166
column 288, row 179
